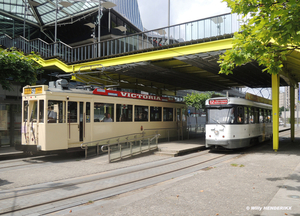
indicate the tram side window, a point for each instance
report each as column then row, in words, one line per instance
column 184, row 112
column 140, row 113
column 168, row 114
column 269, row 112
column 251, row 115
column 41, row 111
column 240, row 115
column 88, row 112
column 265, row 116
column 261, row 115
column 178, row 114
column 245, row 115
column 124, row 113
column 25, row 111
column 56, row 111
column 256, row 115
column 72, row 112
column 155, row 113
column 103, row 112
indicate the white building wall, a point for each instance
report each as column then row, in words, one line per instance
column 287, row 97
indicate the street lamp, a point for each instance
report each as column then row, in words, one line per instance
column 218, row 21
column 169, row 21
column 25, row 11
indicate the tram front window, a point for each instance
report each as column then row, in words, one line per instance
column 220, row 116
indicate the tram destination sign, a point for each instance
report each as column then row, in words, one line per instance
column 218, row 102
column 33, row 90
column 131, row 95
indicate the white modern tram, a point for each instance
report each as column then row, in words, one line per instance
column 55, row 117
column 236, row 123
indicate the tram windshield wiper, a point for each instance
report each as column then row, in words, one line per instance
column 217, row 122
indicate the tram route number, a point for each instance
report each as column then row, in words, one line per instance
column 217, row 102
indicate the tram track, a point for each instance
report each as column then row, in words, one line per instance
column 108, row 183
column 108, row 176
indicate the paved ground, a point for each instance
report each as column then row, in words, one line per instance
column 261, row 182
column 249, row 185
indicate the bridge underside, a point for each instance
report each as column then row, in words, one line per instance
column 169, row 69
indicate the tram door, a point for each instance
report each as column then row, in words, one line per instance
column 30, row 119
column 81, row 118
column 75, row 121
column 179, row 122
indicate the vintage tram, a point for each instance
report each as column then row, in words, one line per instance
column 56, row 117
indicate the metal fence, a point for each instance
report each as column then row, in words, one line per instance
column 216, row 26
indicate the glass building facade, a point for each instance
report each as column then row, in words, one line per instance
column 73, row 16
column 130, row 10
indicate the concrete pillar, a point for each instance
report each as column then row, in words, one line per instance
column 275, row 110
column 292, row 111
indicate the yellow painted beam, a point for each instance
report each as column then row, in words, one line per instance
column 292, row 112
column 275, row 110
column 146, row 56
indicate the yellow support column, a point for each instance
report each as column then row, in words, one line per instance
column 275, row 110
column 292, row 111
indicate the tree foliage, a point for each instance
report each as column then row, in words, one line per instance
column 197, row 100
column 271, row 30
column 17, row 68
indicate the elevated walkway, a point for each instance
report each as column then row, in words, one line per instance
column 217, row 27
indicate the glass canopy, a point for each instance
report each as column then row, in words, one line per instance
column 42, row 12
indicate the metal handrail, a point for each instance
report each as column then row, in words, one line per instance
column 117, row 140
column 132, row 140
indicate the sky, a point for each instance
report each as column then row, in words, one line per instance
column 155, row 12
